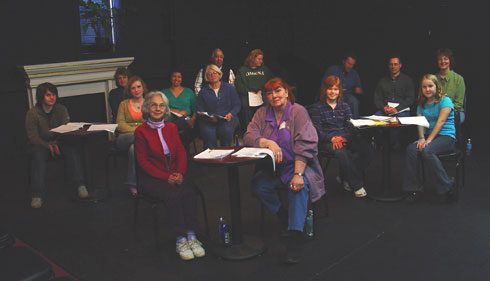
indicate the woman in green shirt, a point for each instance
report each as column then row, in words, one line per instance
column 452, row 83
column 182, row 103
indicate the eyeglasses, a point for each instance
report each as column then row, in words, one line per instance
column 155, row 105
column 211, row 73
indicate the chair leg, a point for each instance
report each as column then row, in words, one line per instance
column 325, row 204
column 154, row 210
column 136, row 204
column 204, row 210
column 262, row 219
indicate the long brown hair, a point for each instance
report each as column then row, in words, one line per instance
column 249, row 61
column 133, row 79
column 329, row 82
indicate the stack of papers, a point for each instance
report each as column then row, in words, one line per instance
column 362, row 122
column 103, row 127
column 256, row 153
column 214, row 153
column 69, row 127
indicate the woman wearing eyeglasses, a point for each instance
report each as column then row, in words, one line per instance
column 221, row 103
column 163, row 162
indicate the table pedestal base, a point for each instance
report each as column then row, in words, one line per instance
column 250, row 247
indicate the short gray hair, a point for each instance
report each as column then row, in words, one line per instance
column 215, row 51
column 145, row 108
column 215, row 68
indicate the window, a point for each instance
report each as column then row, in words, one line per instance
column 98, row 22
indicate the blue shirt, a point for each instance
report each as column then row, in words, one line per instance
column 226, row 102
column 330, row 122
column 431, row 112
column 350, row 80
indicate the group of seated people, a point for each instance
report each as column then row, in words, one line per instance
column 153, row 125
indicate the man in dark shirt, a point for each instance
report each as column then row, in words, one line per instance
column 394, row 92
column 117, row 95
column 351, row 83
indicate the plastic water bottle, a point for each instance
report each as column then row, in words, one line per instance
column 468, row 147
column 224, row 233
column 309, row 224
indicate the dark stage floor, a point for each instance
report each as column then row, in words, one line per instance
column 361, row 239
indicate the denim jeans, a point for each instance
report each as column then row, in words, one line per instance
column 224, row 130
column 434, row 172
column 263, row 185
column 126, row 142
column 353, row 103
column 351, row 167
column 40, row 155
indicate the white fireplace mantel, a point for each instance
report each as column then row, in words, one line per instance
column 76, row 78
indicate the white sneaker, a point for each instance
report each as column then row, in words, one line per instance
column 345, row 184
column 82, row 191
column 184, row 250
column 196, row 248
column 361, row 192
column 36, row 202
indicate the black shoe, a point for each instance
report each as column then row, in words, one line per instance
column 412, row 197
column 294, row 247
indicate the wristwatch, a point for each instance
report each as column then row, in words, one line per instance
column 299, row 174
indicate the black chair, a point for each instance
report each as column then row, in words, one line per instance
column 23, row 264
column 113, row 154
column 154, row 202
column 457, row 157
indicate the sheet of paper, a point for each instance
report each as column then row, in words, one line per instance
column 362, row 122
column 414, row 120
column 378, row 118
column 393, row 104
column 255, row 152
column 403, row 110
column 69, row 127
column 103, row 127
column 176, row 114
column 214, row 153
column 254, row 99
column 204, row 113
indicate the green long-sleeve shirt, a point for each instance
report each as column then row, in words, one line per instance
column 249, row 79
column 453, row 87
column 38, row 123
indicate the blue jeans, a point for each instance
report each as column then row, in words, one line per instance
column 224, row 130
column 39, row 157
column 263, row 185
column 353, row 103
column 433, row 170
column 126, row 142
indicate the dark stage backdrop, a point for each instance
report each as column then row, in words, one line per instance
column 299, row 39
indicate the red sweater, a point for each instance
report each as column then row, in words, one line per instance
column 149, row 151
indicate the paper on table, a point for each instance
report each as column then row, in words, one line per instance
column 103, row 127
column 213, row 153
column 254, row 99
column 176, row 114
column 68, row 127
column 393, row 104
column 414, row 120
column 379, row 118
column 255, row 152
column 362, row 122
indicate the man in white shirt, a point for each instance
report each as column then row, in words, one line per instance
column 217, row 58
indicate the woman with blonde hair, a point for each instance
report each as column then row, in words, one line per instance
column 438, row 138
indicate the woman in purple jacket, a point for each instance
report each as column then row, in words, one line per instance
column 286, row 129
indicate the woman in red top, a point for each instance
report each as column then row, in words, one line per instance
column 163, row 162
